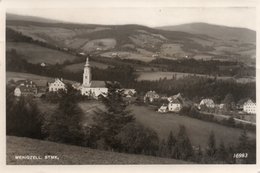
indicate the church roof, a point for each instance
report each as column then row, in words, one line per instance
column 98, row 84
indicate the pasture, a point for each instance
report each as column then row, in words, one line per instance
column 70, row 154
column 39, row 80
column 79, row 67
column 36, row 54
column 197, row 130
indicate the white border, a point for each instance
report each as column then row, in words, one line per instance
column 106, row 4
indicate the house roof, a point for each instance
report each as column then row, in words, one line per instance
column 98, row 84
column 24, row 89
column 206, row 101
column 151, row 94
column 249, row 102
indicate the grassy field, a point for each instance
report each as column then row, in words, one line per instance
column 37, row 54
column 197, row 130
column 71, row 155
column 79, row 67
column 39, row 80
column 142, row 75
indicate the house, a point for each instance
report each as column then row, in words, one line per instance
column 129, row 92
column 25, row 88
column 43, row 64
column 175, row 105
column 91, row 87
column 151, row 96
column 209, row 103
column 249, row 107
column 56, row 85
column 163, row 109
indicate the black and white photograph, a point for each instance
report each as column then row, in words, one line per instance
column 155, row 85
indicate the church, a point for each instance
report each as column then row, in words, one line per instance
column 91, row 87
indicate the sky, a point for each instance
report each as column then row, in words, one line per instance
column 150, row 16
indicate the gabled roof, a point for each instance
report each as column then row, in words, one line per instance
column 249, row 102
column 98, row 84
column 24, row 89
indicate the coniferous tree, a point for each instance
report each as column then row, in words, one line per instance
column 222, row 154
column 183, row 148
column 109, row 122
column 171, row 141
column 65, row 124
column 211, row 149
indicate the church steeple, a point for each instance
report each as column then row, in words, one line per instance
column 87, row 74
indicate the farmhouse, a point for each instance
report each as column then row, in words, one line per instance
column 209, row 103
column 249, row 107
column 25, row 88
column 163, row 108
column 151, row 96
column 91, row 87
column 129, row 92
column 56, row 85
column 175, row 103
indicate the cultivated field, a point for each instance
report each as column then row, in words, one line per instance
column 70, row 155
column 39, row 80
column 79, row 67
column 197, row 130
column 36, row 54
column 151, row 76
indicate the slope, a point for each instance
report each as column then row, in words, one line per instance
column 71, row 155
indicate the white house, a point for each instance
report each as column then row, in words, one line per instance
column 163, row 108
column 151, row 96
column 25, row 88
column 91, row 87
column 207, row 102
column 56, row 85
column 249, row 107
column 175, row 105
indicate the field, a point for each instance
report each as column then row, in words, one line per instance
column 197, row 130
column 142, row 75
column 69, row 154
column 79, row 67
column 36, row 54
column 39, row 80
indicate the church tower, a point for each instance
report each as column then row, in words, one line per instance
column 87, row 74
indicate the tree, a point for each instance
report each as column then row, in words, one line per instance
column 244, row 144
column 171, row 141
column 229, row 102
column 23, row 118
column 109, row 122
column 222, row 154
column 135, row 138
column 64, row 125
column 211, row 149
column 183, row 148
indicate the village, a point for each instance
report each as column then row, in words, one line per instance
column 243, row 112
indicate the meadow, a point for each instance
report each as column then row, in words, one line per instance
column 71, row 155
column 197, row 130
column 36, row 54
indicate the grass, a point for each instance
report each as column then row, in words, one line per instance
column 151, row 76
column 198, row 130
column 79, row 67
column 71, row 155
column 39, row 80
column 37, row 54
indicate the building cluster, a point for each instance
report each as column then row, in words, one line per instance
column 176, row 102
column 89, row 87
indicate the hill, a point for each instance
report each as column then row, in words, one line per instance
column 71, row 155
column 10, row 16
column 217, row 31
column 141, row 42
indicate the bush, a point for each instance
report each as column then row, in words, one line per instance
column 23, row 118
column 135, row 138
